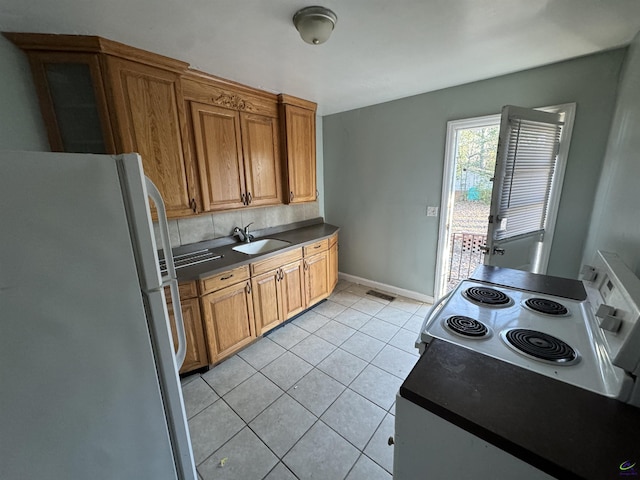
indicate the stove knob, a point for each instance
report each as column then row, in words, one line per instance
column 608, row 321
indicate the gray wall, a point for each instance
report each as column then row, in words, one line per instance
column 615, row 224
column 22, row 126
column 383, row 165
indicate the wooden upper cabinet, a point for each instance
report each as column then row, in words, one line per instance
column 218, row 149
column 209, row 144
column 73, row 101
column 299, row 140
column 100, row 96
column 146, row 109
column 261, row 159
column 235, row 136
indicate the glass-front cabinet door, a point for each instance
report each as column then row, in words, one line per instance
column 73, row 102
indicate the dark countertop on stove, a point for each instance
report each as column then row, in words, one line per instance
column 563, row 430
column 533, row 282
column 301, row 234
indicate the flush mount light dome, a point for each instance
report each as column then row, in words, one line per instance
column 315, row 24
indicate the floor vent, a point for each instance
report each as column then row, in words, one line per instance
column 383, row 296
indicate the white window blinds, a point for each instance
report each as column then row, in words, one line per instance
column 529, row 162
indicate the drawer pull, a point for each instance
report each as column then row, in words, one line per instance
column 317, row 246
column 227, row 277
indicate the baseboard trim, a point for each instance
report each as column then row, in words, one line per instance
column 387, row 288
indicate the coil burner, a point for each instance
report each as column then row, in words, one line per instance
column 487, row 296
column 546, row 307
column 466, row 327
column 540, row 346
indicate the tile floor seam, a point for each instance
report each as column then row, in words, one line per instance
column 276, row 466
column 280, row 458
column 337, row 433
column 221, row 446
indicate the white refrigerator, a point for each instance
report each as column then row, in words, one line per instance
column 89, row 385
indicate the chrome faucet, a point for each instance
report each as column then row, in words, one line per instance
column 243, row 234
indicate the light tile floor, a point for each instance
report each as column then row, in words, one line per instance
column 312, row 399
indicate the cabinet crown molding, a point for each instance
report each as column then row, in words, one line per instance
column 91, row 44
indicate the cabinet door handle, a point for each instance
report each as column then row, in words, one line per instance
column 227, row 277
column 306, row 265
column 193, row 205
column 244, row 199
column 281, row 274
column 249, row 199
column 248, row 288
column 291, row 196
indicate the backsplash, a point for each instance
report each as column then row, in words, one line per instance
column 188, row 230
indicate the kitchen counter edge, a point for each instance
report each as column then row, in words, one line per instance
column 298, row 237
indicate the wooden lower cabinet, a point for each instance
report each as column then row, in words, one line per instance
column 316, row 268
column 278, row 295
column 239, row 305
column 292, row 289
column 333, row 262
column 228, row 319
column 196, row 354
column 267, row 304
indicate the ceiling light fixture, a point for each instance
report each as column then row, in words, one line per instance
column 315, row 24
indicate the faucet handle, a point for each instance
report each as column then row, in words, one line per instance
column 248, row 225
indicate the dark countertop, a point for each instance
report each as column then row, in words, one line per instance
column 301, row 234
column 532, row 282
column 563, row 430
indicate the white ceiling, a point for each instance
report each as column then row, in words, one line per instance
column 380, row 50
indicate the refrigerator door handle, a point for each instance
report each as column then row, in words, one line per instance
column 177, row 315
column 170, row 279
column 163, row 227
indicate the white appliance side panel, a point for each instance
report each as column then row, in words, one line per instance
column 80, row 396
column 427, row 446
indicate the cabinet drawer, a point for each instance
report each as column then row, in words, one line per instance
column 317, row 247
column 186, row 290
column 276, row 262
column 224, row 279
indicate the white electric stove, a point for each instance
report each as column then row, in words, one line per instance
column 592, row 344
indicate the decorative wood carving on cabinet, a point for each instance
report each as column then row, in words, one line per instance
column 299, row 143
column 100, row 96
column 235, row 142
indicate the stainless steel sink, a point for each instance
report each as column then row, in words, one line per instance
column 261, row 246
